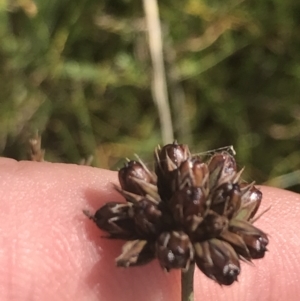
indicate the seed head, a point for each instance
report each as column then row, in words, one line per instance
column 190, row 211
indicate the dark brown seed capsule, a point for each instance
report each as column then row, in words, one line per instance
column 192, row 172
column 134, row 253
column 222, row 168
column 237, row 243
column 171, row 156
column 174, row 250
column 167, row 160
column 211, row 227
column 136, row 178
column 255, row 239
column 147, row 217
column 251, row 199
column 115, row 218
column 257, row 245
column 217, row 260
column 189, row 207
column 226, row 199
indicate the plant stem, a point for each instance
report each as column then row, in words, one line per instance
column 159, row 85
column 187, row 284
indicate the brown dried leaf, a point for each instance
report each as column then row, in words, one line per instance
column 134, row 253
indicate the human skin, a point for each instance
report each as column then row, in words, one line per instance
column 49, row 250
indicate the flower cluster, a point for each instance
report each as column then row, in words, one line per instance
column 189, row 211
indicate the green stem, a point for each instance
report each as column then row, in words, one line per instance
column 187, row 284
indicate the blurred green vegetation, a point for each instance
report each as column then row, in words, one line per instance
column 80, row 73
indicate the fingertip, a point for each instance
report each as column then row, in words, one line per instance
column 57, row 246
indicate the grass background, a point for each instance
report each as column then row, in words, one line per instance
column 80, row 72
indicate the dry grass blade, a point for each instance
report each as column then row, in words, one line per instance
column 36, row 151
column 159, row 86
